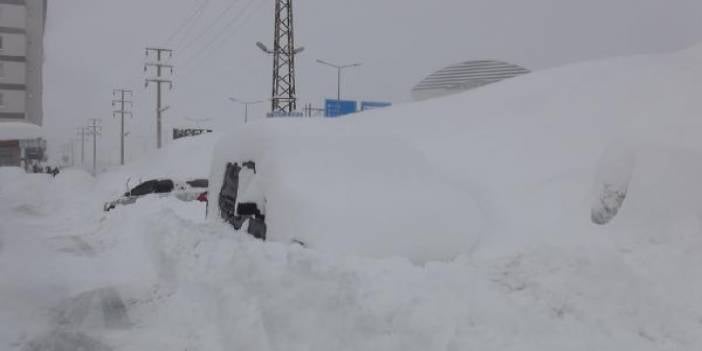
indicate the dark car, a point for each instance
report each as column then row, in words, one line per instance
column 190, row 190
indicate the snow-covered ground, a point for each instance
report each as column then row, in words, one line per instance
column 523, row 159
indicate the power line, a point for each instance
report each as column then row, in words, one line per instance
column 205, row 50
column 186, row 25
column 212, row 25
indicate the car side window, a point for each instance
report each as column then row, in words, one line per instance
column 144, row 188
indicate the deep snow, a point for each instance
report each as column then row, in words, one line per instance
column 526, row 156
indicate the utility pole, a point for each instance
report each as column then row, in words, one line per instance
column 283, row 97
column 73, row 153
column 122, row 94
column 82, row 133
column 94, row 130
column 159, row 80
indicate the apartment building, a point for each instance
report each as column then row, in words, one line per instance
column 21, row 59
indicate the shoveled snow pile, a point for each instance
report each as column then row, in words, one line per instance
column 520, row 163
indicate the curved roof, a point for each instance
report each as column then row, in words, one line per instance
column 465, row 76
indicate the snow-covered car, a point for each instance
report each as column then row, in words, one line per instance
column 316, row 183
column 189, row 190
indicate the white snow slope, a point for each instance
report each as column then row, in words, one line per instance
column 524, row 155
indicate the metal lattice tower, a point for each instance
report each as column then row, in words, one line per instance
column 283, row 98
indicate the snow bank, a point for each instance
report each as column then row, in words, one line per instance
column 512, row 170
column 183, row 159
column 350, row 194
column 511, row 164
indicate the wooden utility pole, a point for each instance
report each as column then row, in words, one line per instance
column 122, row 94
column 82, row 133
column 94, row 130
column 159, row 80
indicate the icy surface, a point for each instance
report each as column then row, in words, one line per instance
column 516, row 264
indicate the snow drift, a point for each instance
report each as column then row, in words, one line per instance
column 516, row 162
column 517, row 166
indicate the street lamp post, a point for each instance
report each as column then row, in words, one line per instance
column 339, row 68
column 246, row 106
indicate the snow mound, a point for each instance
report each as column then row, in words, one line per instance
column 187, row 158
column 511, row 164
column 512, row 171
column 370, row 196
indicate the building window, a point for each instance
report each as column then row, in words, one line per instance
column 1, row 44
column 2, row 100
column 2, row 69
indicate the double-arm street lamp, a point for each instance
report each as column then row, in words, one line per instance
column 339, row 68
column 246, row 106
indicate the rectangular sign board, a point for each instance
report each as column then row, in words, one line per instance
column 338, row 108
column 188, row 132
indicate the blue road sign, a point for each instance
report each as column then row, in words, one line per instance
column 372, row 105
column 338, row 108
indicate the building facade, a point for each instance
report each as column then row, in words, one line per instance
column 22, row 25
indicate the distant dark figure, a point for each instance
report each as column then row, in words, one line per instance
column 55, row 172
column 48, row 170
column 36, row 168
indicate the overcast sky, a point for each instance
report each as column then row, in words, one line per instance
column 94, row 46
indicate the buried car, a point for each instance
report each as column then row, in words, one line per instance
column 358, row 195
column 190, row 190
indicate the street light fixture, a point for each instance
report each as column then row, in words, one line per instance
column 339, row 68
column 266, row 50
column 246, row 106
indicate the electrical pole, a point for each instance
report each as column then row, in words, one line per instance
column 122, row 93
column 94, row 130
column 283, row 97
column 73, row 153
column 82, row 132
column 159, row 80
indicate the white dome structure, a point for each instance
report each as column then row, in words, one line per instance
column 465, row 76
